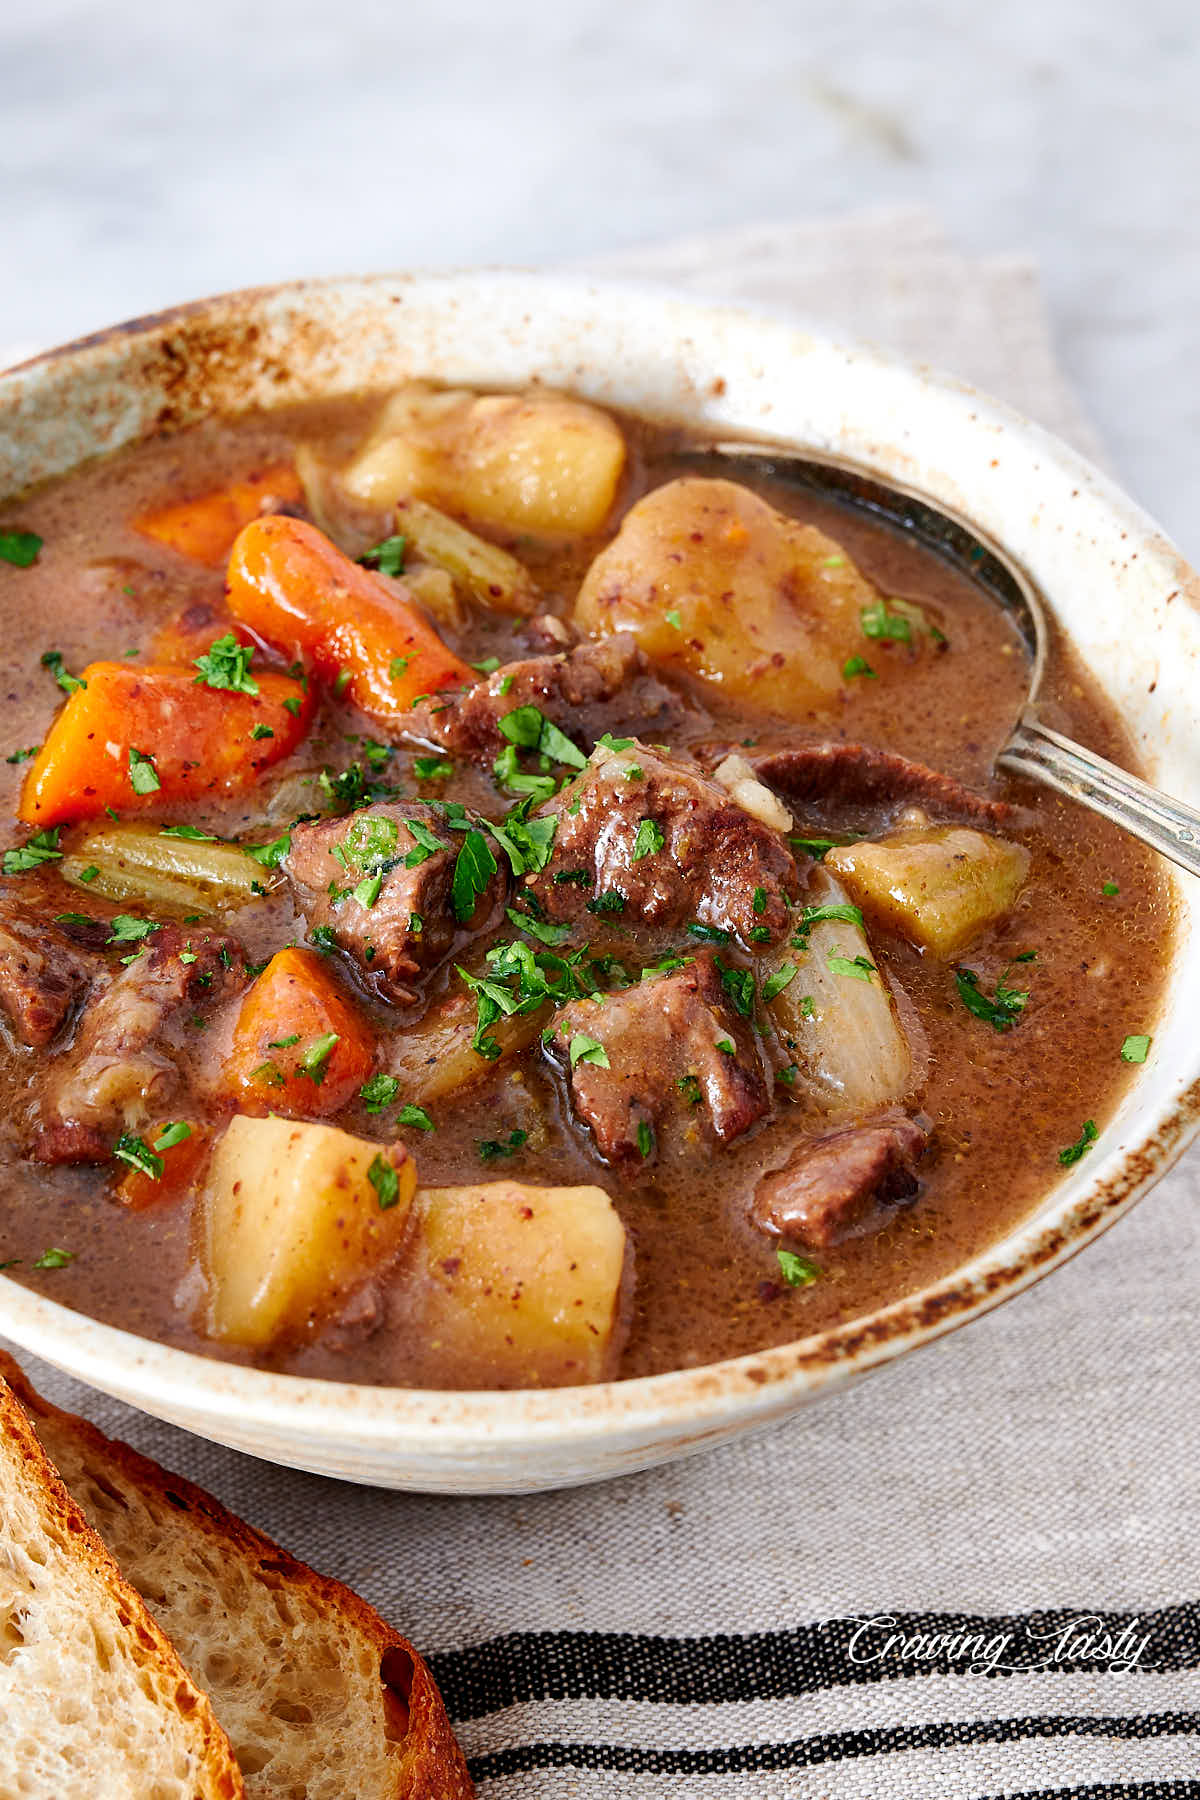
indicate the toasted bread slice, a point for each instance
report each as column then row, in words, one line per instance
column 95, row 1702
column 321, row 1699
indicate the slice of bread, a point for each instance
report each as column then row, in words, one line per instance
column 94, row 1701
column 321, row 1699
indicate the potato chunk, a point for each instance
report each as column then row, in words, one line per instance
column 713, row 581
column 515, row 1286
column 937, row 885
column 835, row 1018
column 294, row 1217
column 519, row 462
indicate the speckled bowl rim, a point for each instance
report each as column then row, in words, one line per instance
column 679, row 1411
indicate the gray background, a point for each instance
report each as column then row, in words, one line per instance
column 150, row 154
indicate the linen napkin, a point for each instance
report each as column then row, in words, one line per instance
column 975, row 1575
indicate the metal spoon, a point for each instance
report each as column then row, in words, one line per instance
column 1031, row 749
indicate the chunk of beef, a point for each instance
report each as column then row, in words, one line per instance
column 842, row 1184
column 135, row 1044
column 597, row 688
column 677, row 1068
column 43, row 975
column 650, row 837
column 858, row 782
column 382, row 881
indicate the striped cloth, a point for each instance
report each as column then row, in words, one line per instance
column 974, row 1576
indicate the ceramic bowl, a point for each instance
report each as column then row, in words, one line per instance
column 1117, row 586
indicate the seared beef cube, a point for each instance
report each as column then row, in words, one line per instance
column 135, row 1044
column 649, row 837
column 675, row 1067
column 841, row 1185
column 43, row 975
column 382, row 881
column 854, row 783
column 597, row 688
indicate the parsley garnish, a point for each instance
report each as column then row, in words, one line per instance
column 491, row 1148
column 608, row 902
column 425, row 844
column 726, row 1046
column 690, row 1088
column 386, row 556
column 293, row 705
column 143, row 775
column 488, row 666
column 384, row 1179
column 170, row 1135
column 816, row 847
column 323, row 937
column 70, row 684
column 1081, row 1146
column 1135, row 1049
column 432, row 768
column 649, row 840
column 19, row 548
column 740, row 985
column 845, row 913
column 588, row 1049
column 672, row 617
column 609, row 742
column 270, row 1073
column 20, row 756
column 42, row 847
column 760, row 900
column 775, row 984
column 1000, row 1010
column 878, row 622
column 858, row 665
column 415, row 1116
column 226, row 665
column 270, row 855
column 88, row 874
column 54, row 1259
column 554, row 935
column 191, row 833
column 709, row 934
column 261, row 731
column 137, row 1153
column 859, row 968
column 398, row 666
column 378, row 1092
column 313, row 1061
column 126, row 929
column 645, row 1139
column 529, row 729
column 1108, row 890
column 797, row 1271
column 474, row 868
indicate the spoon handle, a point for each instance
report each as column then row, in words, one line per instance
column 1165, row 824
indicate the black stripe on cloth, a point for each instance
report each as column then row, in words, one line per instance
column 1184, row 1789
column 834, row 1746
column 773, row 1665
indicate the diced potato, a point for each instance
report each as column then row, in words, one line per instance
column 435, row 1057
column 839, row 1025
column 937, row 885
column 534, row 463
column 714, row 582
column 294, row 1217
column 516, row 1286
column 496, row 579
column 138, row 863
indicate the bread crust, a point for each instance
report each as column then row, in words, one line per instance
column 217, row 1774
column 427, row 1763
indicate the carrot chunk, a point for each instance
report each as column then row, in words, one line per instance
column 136, row 738
column 193, row 631
column 204, row 527
column 182, row 1159
column 299, row 1046
column 296, row 590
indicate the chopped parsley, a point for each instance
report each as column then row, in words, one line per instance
column 726, row 1046
column 1081, row 1146
column 41, row 848
column 190, row 833
column 20, row 756
column 775, row 984
column 88, row 874
column 488, row 665
column 492, row 1148
column 474, row 868
column 379, row 1092
column 20, row 548
column 415, row 1116
column 645, row 1139
column 760, row 900
column 1136, row 1048
column 293, row 705
column 709, row 934
column 54, row 1259
column 261, row 731
column 170, row 1135
column 859, row 968
column 432, row 768
column 529, row 729
column 797, row 1271
column 589, row 1050
column 740, row 985
column 609, row 742
column 128, row 929
column 312, row 1062
column 272, row 854
column 878, row 622
column 649, row 840
column 323, row 937
column 425, row 844
column 816, row 847
column 53, row 660
column 398, row 666
column 526, row 842
column 387, row 556
column 143, row 776
column 844, row 913
column 386, row 1182
column 270, row 1074
column 608, row 902
column 858, row 665
column 690, row 1088
column 509, row 774
column 1108, row 890
column 554, row 935
column 999, row 1010
column 137, row 1153
column 674, row 619
column 226, row 665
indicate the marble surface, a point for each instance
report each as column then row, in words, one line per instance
column 150, row 154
